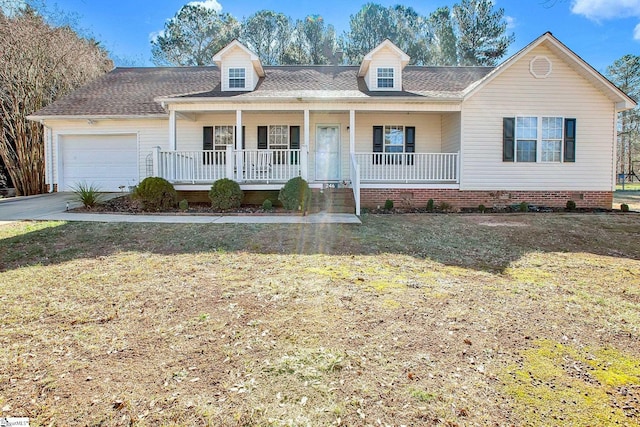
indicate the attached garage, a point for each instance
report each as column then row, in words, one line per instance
column 107, row 162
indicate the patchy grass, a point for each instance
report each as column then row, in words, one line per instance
column 414, row 320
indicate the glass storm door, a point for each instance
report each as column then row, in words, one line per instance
column 328, row 153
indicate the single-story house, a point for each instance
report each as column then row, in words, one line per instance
column 539, row 128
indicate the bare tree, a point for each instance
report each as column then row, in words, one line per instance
column 38, row 64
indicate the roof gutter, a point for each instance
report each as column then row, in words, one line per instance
column 385, row 99
column 41, row 119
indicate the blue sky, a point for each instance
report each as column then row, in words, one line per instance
column 600, row 31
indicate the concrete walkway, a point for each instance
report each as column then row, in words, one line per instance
column 53, row 207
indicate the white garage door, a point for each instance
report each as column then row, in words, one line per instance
column 104, row 161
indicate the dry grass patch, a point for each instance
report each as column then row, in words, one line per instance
column 414, row 320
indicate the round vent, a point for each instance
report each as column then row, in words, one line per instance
column 540, row 67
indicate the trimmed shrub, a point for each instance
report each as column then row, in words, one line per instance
column 295, row 194
column 431, row 205
column 155, row 194
column 87, row 194
column 571, row 205
column 482, row 208
column 445, row 207
column 183, row 205
column 388, row 205
column 225, row 194
column 624, row 207
column 523, row 207
column 267, row 205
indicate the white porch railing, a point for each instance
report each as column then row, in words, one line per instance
column 408, row 167
column 206, row 166
column 270, row 165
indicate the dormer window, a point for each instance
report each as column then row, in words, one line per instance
column 236, row 78
column 385, row 78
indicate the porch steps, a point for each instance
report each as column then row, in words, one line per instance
column 333, row 200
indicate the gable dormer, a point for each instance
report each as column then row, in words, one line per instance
column 382, row 67
column 240, row 69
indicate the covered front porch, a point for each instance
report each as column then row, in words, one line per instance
column 357, row 148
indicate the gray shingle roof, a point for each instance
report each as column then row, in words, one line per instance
column 132, row 91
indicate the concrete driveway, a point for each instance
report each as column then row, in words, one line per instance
column 40, row 207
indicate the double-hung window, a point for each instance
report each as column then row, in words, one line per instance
column 543, row 139
column 236, row 78
column 394, row 139
column 526, row 139
column 223, row 136
column 385, row 78
column 551, row 150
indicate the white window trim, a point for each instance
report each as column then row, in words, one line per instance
column 233, row 137
column 538, row 139
column 393, row 78
column 270, row 143
column 244, row 70
column 384, row 139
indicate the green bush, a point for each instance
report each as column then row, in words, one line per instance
column 431, row 205
column 267, row 205
column 388, row 205
column 225, row 194
column 523, row 207
column 87, row 194
column 183, row 205
column 445, row 207
column 155, row 193
column 482, row 208
column 624, row 207
column 295, row 194
column 571, row 205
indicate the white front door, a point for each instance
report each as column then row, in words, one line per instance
column 328, row 153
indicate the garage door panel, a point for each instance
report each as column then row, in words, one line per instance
column 105, row 161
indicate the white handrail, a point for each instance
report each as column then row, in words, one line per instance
column 408, row 167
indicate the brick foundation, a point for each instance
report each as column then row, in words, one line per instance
column 374, row 197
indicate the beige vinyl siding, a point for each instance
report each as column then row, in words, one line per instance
column 451, row 133
column 238, row 59
column 384, row 58
column 564, row 93
column 428, row 129
column 150, row 133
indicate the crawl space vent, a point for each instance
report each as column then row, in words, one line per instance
column 540, row 67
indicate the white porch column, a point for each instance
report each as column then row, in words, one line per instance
column 238, row 152
column 352, row 131
column 172, row 130
column 304, row 152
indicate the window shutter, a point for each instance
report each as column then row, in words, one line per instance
column 569, row 140
column 410, row 143
column 207, row 145
column 207, row 138
column 294, row 143
column 378, row 144
column 508, row 138
column 262, row 137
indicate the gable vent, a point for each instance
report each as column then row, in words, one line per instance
column 540, row 67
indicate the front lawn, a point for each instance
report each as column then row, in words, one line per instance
column 449, row 320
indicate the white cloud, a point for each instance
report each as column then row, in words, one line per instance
column 606, row 9
column 153, row 36
column 636, row 33
column 209, row 4
column 511, row 22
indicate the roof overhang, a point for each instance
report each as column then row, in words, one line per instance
column 366, row 61
column 41, row 119
column 622, row 100
column 235, row 44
